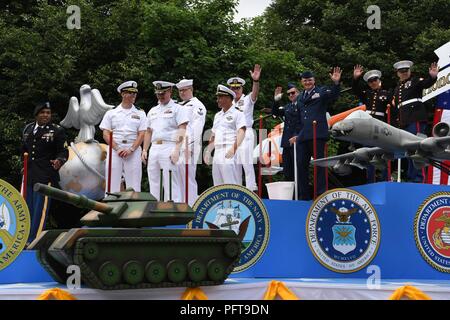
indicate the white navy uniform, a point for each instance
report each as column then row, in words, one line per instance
column 164, row 120
column 197, row 112
column 225, row 128
column 125, row 125
column 245, row 151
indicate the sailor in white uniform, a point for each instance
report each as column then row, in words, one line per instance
column 128, row 125
column 228, row 133
column 166, row 128
column 197, row 112
column 246, row 104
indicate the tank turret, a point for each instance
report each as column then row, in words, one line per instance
column 123, row 209
column 126, row 251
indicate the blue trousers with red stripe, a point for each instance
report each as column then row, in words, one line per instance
column 38, row 205
column 415, row 175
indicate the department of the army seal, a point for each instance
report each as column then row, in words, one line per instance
column 432, row 230
column 14, row 224
column 233, row 207
column 343, row 230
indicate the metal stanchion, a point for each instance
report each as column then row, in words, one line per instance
column 187, row 171
column 170, row 185
column 326, row 169
column 295, row 171
column 110, row 160
column 260, row 157
column 269, row 165
column 315, row 156
column 389, row 164
column 25, row 175
column 161, row 190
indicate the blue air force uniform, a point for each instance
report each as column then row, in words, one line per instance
column 291, row 114
column 313, row 107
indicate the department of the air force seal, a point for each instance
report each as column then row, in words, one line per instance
column 233, row 207
column 432, row 230
column 14, row 224
column 343, row 230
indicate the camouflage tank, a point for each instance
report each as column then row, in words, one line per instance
column 119, row 248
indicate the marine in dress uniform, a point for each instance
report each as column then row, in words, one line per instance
column 194, row 135
column 376, row 100
column 228, row 134
column 45, row 142
column 166, row 128
column 291, row 114
column 371, row 93
column 412, row 114
column 246, row 104
column 128, row 125
column 313, row 103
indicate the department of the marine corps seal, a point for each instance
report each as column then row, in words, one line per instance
column 432, row 230
column 343, row 230
column 233, row 207
column 14, row 224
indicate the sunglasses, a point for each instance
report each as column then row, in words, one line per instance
column 236, row 88
column 373, row 80
column 291, row 93
column 403, row 70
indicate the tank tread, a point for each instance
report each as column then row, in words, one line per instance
column 56, row 270
column 91, row 278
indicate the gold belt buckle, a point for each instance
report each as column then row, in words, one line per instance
column 159, row 142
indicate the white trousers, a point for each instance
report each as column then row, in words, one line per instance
column 159, row 158
column 245, row 159
column 192, row 181
column 225, row 171
column 130, row 168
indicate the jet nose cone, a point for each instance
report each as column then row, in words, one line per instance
column 342, row 128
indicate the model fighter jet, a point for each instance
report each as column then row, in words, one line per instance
column 387, row 143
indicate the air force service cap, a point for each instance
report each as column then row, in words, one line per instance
column 40, row 106
column 306, row 75
column 162, row 86
column 224, row 91
column 404, row 64
column 130, row 86
column 185, row 83
column 236, row 82
column 371, row 75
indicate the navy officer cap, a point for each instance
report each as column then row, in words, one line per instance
column 40, row 106
column 306, row 75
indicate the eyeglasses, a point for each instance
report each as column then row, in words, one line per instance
column 403, row 70
column 373, row 80
column 292, row 93
column 236, row 88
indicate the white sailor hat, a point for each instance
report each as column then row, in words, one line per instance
column 372, row 74
column 224, row 91
column 185, row 83
column 404, row 64
column 236, row 82
column 128, row 86
column 162, row 86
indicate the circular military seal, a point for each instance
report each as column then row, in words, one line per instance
column 343, row 230
column 233, row 207
column 14, row 224
column 432, row 230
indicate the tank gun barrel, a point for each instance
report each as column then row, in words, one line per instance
column 74, row 199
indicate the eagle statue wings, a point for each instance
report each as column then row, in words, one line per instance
column 86, row 114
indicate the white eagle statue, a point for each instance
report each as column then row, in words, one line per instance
column 85, row 115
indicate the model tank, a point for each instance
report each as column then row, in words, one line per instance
column 120, row 248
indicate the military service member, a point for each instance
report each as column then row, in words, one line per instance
column 371, row 93
column 412, row 114
column 45, row 142
column 246, row 104
column 291, row 114
column 194, row 135
column 228, row 133
column 313, row 102
column 166, row 128
column 127, row 124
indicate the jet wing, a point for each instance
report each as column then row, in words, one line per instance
column 432, row 147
